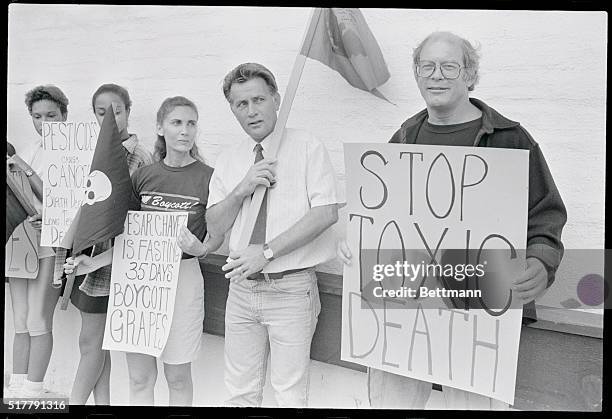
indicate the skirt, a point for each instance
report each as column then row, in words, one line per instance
column 84, row 302
column 185, row 336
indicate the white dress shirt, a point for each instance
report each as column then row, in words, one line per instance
column 305, row 179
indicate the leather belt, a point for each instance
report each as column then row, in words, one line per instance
column 259, row 276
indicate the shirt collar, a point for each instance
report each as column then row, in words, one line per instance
column 265, row 144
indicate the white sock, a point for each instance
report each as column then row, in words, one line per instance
column 17, row 380
column 32, row 388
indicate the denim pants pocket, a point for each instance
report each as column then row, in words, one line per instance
column 298, row 283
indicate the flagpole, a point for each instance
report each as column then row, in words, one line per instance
column 66, row 244
column 276, row 136
column 68, row 288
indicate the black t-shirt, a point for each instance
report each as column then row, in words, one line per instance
column 159, row 187
column 462, row 134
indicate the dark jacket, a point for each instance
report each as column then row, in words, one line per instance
column 547, row 214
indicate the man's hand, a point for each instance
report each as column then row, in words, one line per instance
column 190, row 243
column 261, row 173
column 36, row 221
column 245, row 262
column 532, row 283
column 343, row 252
column 72, row 263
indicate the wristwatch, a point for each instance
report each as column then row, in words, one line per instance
column 268, row 253
column 28, row 172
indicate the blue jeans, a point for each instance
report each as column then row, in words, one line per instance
column 276, row 318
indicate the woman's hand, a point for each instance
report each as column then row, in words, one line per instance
column 72, row 263
column 36, row 221
column 190, row 243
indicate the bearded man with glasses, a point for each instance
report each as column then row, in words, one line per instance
column 446, row 71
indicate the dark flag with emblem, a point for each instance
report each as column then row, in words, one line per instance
column 105, row 202
column 108, row 190
column 343, row 41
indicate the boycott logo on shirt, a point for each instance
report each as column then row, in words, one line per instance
column 169, row 202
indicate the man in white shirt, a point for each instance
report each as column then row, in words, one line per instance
column 273, row 301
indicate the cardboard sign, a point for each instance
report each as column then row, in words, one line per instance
column 21, row 253
column 68, row 150
column 437, row 236
column 146, row 260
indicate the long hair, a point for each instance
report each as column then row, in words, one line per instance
column 167, row 106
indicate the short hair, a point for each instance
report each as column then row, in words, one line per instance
column 112, row 88
column 248, row 71
column 471, row 58
column 167, row 106
column 47, row 92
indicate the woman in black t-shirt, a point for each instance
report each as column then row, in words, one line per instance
column 179, row 180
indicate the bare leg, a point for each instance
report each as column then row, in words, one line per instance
column 101, row 390
column 18, row 288
column 42, row 299
column 40, row 354
column 143, row 375
column 91, row 363
column 180, row 384
column 21, row 353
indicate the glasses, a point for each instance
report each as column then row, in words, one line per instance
column 450, row 70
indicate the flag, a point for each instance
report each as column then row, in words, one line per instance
column 343, row 41
column 108, row 191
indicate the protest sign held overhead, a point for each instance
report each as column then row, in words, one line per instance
column 146, row 260
column 428, row 295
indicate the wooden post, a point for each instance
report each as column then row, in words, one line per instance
column 276, row 136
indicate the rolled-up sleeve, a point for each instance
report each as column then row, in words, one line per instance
column 321, row 180
column 217, row 191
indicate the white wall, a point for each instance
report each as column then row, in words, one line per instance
column 544, row 69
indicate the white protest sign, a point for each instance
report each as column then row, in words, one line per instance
column 146, row 260
column 431, row 229
column 68, row 151
column 21, row 253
